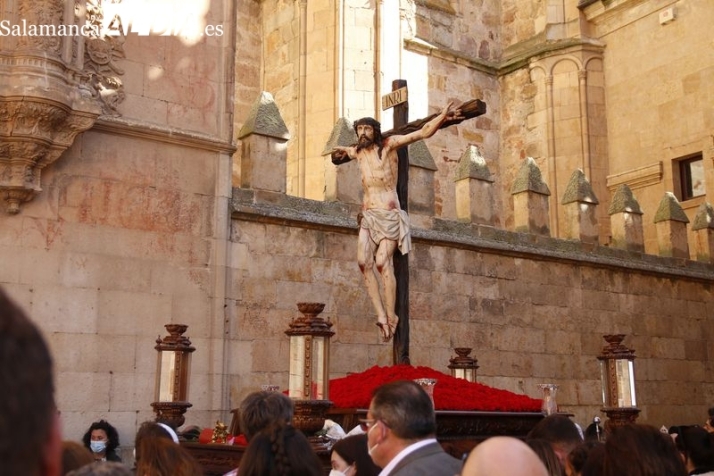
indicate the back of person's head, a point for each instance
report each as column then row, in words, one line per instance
column 74, row 456
column 150, row 431
column 579, row 455
column 260, row 410
column 280, row 450
column 29, row 430
column 162, row 457
column 547, row 455
column 353, row 449
column 560, row 432
column 697, row 447
column 102, row 468
column 641, row 450
column 503, row 455
column 594, row 461
column 109, row 430
column 405, row 408
column 594, row 432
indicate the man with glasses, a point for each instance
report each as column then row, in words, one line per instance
column 401, row 433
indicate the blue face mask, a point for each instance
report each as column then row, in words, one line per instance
column 98, row 446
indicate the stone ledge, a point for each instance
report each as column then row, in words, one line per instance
column 276, row 208
column 159, row 133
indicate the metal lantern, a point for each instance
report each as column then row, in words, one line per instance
column 463, row 366
column 309, row 383
column 309, row 353
column 618, row 382
column 173, row 370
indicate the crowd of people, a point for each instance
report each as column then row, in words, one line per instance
column 398, row 437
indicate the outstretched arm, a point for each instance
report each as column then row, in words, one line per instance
column 428, row 129
column 341, row 155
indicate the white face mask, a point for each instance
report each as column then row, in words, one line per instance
column 369, row 450
column 336, row 472
column 98, row 446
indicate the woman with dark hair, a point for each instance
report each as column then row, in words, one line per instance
column 103, row 440
column 697, row 449
column 641, row 450
column 547, row 455
column 350, row 458
column 579, row 456
column 280, row 450
column 160, row 456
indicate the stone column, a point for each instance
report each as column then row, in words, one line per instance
column 421, row 185
column 626, row 221
column 530, row 200
column 342, row 183
column 264, row 137
column 474, row 189
column 580, row 206
column 671, row 223
column 703, row 228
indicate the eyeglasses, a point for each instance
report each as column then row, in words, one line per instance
column 365, row 424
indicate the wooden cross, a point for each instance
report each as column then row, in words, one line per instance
column 399, row 100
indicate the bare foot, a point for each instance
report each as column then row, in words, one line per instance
column 387, row 329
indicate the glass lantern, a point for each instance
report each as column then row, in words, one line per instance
column 173, row 370
column 463, row 366
column 309, row 384
column 617, row 376
column 309, row 354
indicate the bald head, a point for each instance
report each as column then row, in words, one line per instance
column 503, row 455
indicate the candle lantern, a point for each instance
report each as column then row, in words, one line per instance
column 618, row 382
column 173, row 369
column 463, row 366
column 309, row 353
column 310, row 367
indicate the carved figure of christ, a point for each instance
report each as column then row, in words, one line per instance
column 383, row 225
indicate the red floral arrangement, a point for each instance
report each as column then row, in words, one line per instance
column 450, row 393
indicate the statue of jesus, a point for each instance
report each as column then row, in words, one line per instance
column 383, row 225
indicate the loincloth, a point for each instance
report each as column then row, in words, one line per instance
column 390, row 224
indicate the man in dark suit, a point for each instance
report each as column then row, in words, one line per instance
column 401, row 429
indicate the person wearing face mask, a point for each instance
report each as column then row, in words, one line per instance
column 102, row 440
column 401, row 433
column 350, row 458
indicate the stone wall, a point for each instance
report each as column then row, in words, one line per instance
column 130, row 230
column 533, row 308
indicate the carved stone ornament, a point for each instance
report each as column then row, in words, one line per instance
column 58, row 73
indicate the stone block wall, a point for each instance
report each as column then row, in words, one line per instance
column 534, row 309
column 129, row 232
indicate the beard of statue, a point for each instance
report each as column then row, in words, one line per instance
column 364, row 142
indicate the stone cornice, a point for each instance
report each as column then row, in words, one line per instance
column 520, row 55
column 614, row 14
column 637, row 178
column 427, row 49
column 279, row 209
column 157, row 133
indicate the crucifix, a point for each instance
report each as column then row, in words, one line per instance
column 384, row 239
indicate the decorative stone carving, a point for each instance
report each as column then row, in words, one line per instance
column 53, row 86
column 100, row 56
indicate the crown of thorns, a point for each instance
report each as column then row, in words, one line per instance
column 368, row 121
